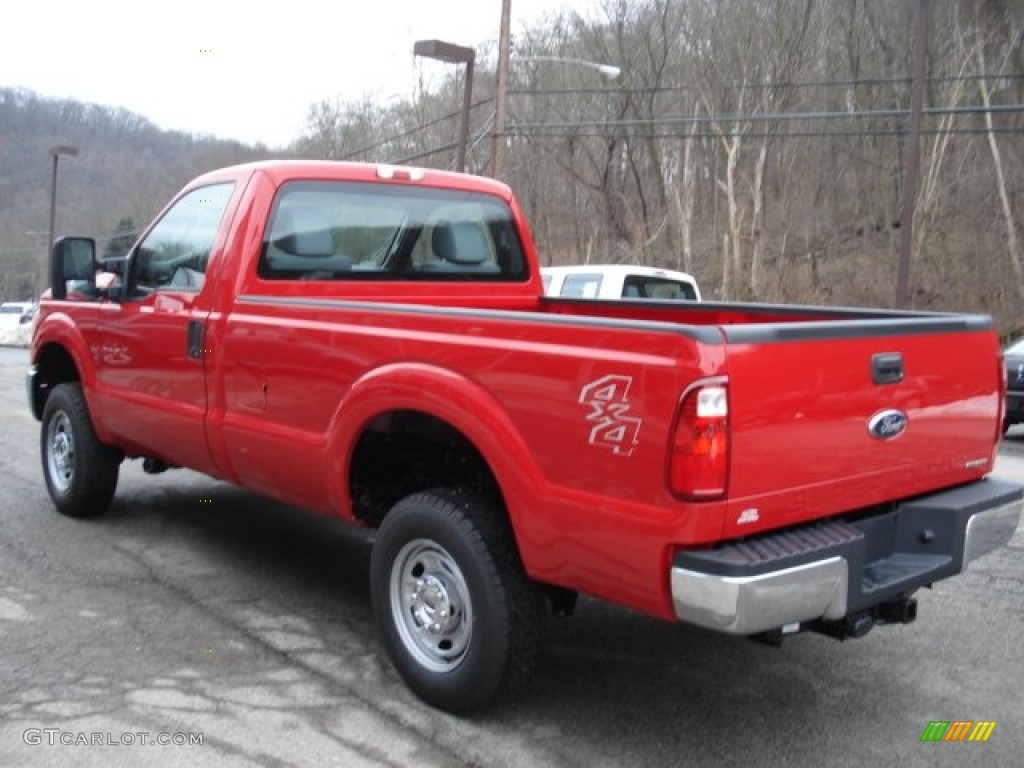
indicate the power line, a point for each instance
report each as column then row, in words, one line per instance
column 762, row 134
column 607, row 91
column 714, row 135
column 759, row 86
column 427, row 153
column 411, row 131
column 771, row 117
column 480, row 136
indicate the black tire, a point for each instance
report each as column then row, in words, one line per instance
column 80, row 471
column 454, row 550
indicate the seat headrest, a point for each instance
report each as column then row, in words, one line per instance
column 303, row 232
column 461, row 242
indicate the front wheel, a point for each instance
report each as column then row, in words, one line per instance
column 80, row 471
column 458, row 616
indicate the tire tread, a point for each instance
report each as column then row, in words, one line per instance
column 482, row 524
column 97, row 465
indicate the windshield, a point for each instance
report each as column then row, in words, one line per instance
column 1017, row 348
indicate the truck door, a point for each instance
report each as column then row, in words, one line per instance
column 150, row 369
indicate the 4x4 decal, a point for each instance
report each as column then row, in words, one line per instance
column 613, row 425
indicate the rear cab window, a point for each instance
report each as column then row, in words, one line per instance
column 334, row 230
column 659, row 288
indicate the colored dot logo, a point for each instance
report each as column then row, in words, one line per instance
column 206, row 50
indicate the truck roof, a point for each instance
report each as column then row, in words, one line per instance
column 618, row 269
column 281, row 171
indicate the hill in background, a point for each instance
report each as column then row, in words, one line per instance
column 125, row 172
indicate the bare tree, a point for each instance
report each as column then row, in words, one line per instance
column 772, row 128
column 1012, row 247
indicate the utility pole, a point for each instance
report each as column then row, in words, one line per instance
column 501, row 91
column 912, row 158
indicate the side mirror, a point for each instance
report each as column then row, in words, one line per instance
column 74, row 258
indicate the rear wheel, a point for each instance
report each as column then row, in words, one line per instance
column 80, row 471
column 460, row 620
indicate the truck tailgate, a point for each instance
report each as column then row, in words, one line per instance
column 830, row 420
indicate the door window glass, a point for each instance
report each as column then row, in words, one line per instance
column 174, row 255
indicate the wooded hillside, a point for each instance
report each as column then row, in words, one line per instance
column 125, row 172
column 759, row 144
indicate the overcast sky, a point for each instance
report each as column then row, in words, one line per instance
column 237, row 68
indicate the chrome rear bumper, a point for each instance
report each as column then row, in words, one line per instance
column 827, row 571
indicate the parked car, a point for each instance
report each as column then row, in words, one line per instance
column 619, row 281
column 24, row 310
column 1014, row 356
column 16, row 323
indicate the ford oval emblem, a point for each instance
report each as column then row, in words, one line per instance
column 885, row 425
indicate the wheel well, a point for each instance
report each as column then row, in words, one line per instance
column 402, row 452
column 55, row 367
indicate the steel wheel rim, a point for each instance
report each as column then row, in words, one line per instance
column 60, row 452
column 430, row 605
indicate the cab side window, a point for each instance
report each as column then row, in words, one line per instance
column 174, row 255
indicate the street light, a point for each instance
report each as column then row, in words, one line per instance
column 55, row 152
column 608, row 71
column 453, row 54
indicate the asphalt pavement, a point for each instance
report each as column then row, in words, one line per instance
column 195, row 611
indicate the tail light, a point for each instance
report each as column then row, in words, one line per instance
column 699, row 463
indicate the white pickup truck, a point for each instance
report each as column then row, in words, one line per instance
column 619, row 281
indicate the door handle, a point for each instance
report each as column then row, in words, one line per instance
column 195, row 339
column 887, row 368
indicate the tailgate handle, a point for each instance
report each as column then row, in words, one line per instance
column 887, row 368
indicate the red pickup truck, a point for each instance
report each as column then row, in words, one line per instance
column 372, row 343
